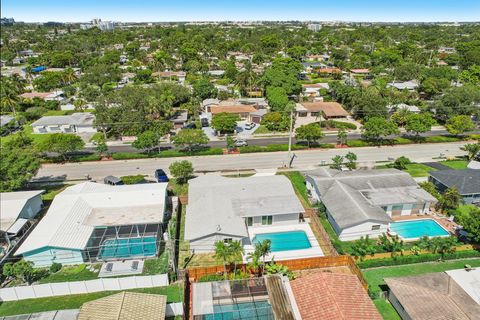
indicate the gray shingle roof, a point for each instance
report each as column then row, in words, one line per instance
column 354, row 197
column 219, row 204
column 78, row 119
column 466, row 181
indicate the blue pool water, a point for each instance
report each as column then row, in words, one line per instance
column 284, row 241
column 259, row 310
column 418, row 228
column 129, row 247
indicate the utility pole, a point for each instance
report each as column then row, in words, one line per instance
column 290, row 139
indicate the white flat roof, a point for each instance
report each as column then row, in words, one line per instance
column 468, row 280
column 75, row 212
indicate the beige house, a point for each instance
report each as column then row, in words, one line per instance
column 310, row 112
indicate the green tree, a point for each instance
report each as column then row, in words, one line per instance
column 19, row 162
column 459, row 125
column 401, row 163
column 230, row 143
column 204, row 89
column 275, row 121
column 222, row 254
column 337, row 162
column 264, row 248
column 62, row 143
column 430, row 188
column 24, row 270
column 363, row 247
column 148, row 140
column 419, row 123
column 190, row 139
column 181, row 170
column 450, row 199
column 309, row 132
column 236, row 253
column 225, row 122
column 377, row 128
column 351, row 160
column 469, row 219
column 277, row 98
column 342, row 136
column 472, row 149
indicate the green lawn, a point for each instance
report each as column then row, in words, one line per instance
column 70, row 273
column 52, row 191
column 262, row 130
column 456, row 164
column 156, row 266
column 418, row 170
column 375, row 278
column 173, row 292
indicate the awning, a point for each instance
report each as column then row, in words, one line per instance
column 17, row 226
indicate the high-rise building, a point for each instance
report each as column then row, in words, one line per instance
column 7, row 21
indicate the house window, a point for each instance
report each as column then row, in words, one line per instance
column 376, row 227
column 249, row 221
column 267, row 220
column 302, row 114
column 384, row 209
column 227, row 240
column 314, row 114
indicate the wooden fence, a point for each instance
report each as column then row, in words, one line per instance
column 295, row 264
column 322, row 236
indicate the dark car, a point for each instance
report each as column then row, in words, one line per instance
column 190, row 126
column 204, row 122
column 161, row 176
column 113, row 181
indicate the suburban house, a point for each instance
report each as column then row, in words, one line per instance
column 251, row 110
column 359, row 72
column 81, row 122
column 312, row 91
column 407, row 85
column 466, row 181
column 221, row 208
column 91, row 222
column 47, row 96
column 179, row 119
column 17, row 209
column 363, row 202
column 341, row 296
column 402, row 106
column 453, row 294
column 310, row 112
column 171, row 75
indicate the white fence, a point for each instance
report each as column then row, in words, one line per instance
column 80, row 287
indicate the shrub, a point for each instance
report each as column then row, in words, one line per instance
column 134, row 179
column 357, row 143
column 337, row 124
column 55, row 267
column 401, row 163
column 211, row 277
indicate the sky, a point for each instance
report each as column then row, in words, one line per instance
column 218, row 10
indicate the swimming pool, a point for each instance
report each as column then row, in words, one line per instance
column 415, row 229
column 284, row 241
column 258, row 310
column 128, row 247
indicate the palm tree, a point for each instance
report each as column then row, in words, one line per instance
column 80, row 104
column 254, row 263
column 9, row 96
column 68, row 76
column 236, row 251
column 264, row 248
column 222, row 253
column 342, row 136
column 472, row 149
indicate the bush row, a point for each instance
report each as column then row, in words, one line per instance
column 165, row 154
column 399, row 260
column 338, row 124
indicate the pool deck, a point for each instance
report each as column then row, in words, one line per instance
column 314, row 251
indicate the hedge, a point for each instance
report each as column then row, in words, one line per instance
column 165, row 154
column 399, row 260
column 338, row 124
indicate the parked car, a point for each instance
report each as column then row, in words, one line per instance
column 190, row 126
column 250, row 126
column 161, row 176
column 113, row 181
column 241, row 143
column 204, row 122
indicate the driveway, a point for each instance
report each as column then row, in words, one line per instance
column 210, row 133
column 243, row 132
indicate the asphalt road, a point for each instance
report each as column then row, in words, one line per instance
column 259, row 141
column 306, row 159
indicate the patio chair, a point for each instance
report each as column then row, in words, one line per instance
column 109, row 267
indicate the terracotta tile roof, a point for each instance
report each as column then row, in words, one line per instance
column 125, row 306
column 330, row 109
column 165, row 74
column 232, row 109
column 328, row 70
column 31, row 95
column 332, row 296
column 359, row 70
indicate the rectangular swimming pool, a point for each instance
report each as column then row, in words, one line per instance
column 284, row 241
column 259, row 310
column 128, row 247
column 415, row 229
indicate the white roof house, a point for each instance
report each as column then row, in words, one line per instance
column 402, row 106
column 75, row 123
column 16, row 205
column 76, row 211
column 219, row 205
column 409, row 85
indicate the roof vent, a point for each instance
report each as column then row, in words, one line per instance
column 218, row 227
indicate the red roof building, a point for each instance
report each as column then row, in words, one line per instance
column 332, row 296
